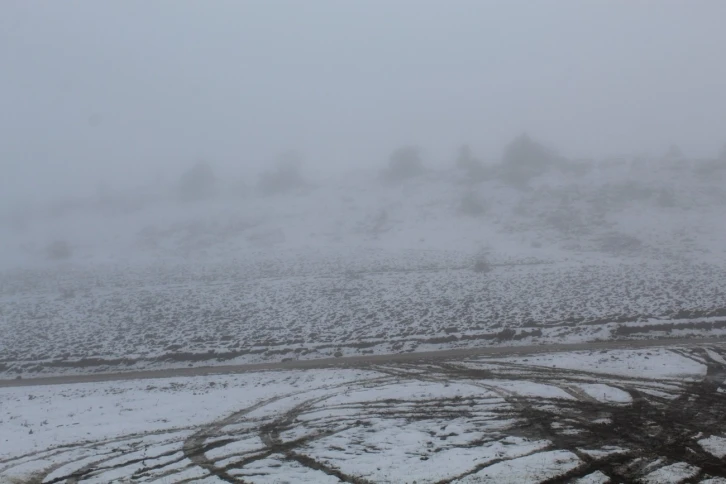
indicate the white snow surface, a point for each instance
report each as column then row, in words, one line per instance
column 715, row 445
column 385, row 424
column 34, row 418
column 529, row 469
column 595, row 251
column 671, row 474
column 647, row 363
column 605, row 393
column 355, row 266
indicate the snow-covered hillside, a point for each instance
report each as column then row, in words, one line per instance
column 656, row 209
column 587, row 251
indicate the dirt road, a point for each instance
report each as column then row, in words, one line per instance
column 357, row 361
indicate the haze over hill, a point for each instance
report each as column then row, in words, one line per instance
column 274, row 180
column 665, row 207
column 319, row 241
column 536, row 248
column 100, row 96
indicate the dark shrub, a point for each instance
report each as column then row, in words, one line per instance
column 473, row 205
column 473, row 168
column 619, row 243
column 198, row 183
column 525, row 159
column 284, row 178
column 506, row 334
column 482, row 265
column 404, row 163
column 59, row 250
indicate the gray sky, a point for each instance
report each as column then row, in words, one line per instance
column 119, row 91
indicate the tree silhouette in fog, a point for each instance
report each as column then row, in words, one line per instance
column 524, row 159
column 473, row 167
column 404, row 163
column 197, row 183
column 286, row 176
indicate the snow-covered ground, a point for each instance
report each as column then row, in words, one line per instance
column 551, row 416
column 643, row 209
column 178, row 316
column 651, row 363
column 355, row 266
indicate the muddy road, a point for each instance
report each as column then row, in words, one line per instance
column 363, row 360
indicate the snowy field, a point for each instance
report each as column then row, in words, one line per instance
column 354, row 266
column 653, row 416
column 136, row 319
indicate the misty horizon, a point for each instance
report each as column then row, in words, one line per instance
column 410, row 241
column 116, row 93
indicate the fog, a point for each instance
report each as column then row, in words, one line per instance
column 119, row 92
column 372, row 197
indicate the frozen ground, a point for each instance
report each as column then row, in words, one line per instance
column 353, row 266
column 562, row 417
column 238, row 313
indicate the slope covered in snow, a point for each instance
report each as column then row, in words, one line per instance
column 610, row 209
column 355, row 265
